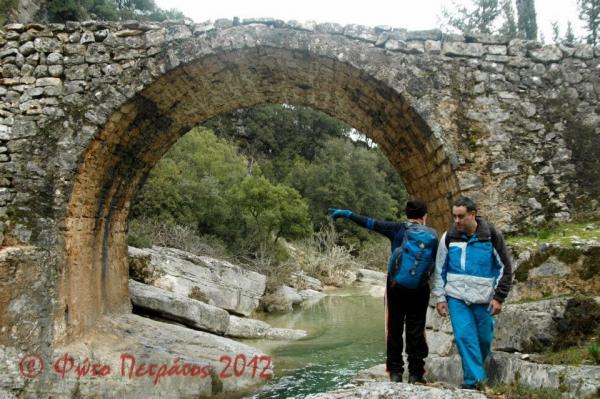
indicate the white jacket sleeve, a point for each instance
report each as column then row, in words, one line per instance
column 438, row 283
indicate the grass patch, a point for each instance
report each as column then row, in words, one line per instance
column 561, row 235
column 519, row 391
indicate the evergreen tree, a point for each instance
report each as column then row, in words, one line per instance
column 527, row 20
column 479, row 19
column 108, row 10
column 589, row 12
column 509, row 27
column 555, row 32
column 569, row 35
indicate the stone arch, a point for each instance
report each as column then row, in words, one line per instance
column 141, row 130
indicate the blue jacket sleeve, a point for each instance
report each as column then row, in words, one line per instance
column 388, row 229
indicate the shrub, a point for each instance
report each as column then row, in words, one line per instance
column 594, row 351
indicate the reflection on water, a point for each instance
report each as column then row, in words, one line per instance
column 346, row 334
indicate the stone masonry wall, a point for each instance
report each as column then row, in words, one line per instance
column 88, row 108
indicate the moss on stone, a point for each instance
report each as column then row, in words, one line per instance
column 591, row 264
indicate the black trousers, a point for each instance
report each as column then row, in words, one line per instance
column 406, row 307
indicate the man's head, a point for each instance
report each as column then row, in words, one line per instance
column 416, row 210
column 464, row 212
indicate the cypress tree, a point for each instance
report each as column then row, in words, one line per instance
column 527, row 20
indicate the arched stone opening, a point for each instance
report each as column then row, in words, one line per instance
column 137, row 135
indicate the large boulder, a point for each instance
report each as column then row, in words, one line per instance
column 215, row 282
column 529, row 327
column 282, row 300
column 140, row 358
column 179, row 308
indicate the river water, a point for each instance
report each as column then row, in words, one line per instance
column 345, row 335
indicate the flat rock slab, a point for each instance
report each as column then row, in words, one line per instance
column 216, row 282
column 240, row 327
column 179, row 308
column 199, row 364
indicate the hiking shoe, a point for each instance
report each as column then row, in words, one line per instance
column 416, row 379
column 395, row 377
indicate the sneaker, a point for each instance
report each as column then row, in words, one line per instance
column 395, row 377
column 416, row 379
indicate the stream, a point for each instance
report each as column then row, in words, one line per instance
column 345, row 335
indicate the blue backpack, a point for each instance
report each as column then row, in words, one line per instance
column 415, row 258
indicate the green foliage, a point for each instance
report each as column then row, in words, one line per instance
column 509, row 26
column 527, row 19
column 202, row 182
column 475, row 19
column 108, row 10
column 594, row 352
column 273, row 131
column 589, row 13
column 6, row 7
column 270, row 210
column 569, row 35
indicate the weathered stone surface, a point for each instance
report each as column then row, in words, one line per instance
column 215, row 282
column 122, row 340
column 300, row 280
column 249, row 328
column 283, row 299
column 190, row 312
column 437, row 118
column 537, row 325
column 375, row 390
column 552, row 267
column 371, row 277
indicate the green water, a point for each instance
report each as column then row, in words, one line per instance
column 345, row 335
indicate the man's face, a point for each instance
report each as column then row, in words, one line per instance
column 463, row 219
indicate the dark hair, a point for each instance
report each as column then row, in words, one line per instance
column 415, row 209
column 466, row 202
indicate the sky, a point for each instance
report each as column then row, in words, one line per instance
column 408, row 14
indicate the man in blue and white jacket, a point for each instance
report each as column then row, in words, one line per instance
column 472, row 278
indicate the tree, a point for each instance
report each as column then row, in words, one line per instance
column 589, row 12
column 509, row 27
column 555, row 32
column 527, row 20
column 108, row 10
column 477, row 19
column 270, row 211
column 569, row 35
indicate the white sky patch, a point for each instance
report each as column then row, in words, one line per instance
column 408, row 14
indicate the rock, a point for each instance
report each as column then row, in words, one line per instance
column 179, row 308
column 215, row 282
column 300, row 280
column 440, row 343
column 310, row 296
column 397, row 390
column 249, row 328
column 546, row 54
column 463, row 49
column 577, row 382
column 537, row 325
column 125, row 342
column 552, row 267
column 240, row 327
column 534, row 204
column 371, row 277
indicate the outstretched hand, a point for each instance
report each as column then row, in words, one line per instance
column 339, row 213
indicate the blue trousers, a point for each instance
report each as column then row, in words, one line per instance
column 473, row 328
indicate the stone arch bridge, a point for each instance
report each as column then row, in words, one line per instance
column 88, row 108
